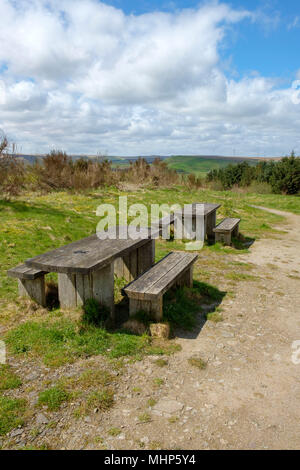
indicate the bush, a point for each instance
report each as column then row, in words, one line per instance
column 282, row 176
column 12, row 170
column 286, row 175
column 94, row 313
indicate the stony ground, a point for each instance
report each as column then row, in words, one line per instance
column 247, row 396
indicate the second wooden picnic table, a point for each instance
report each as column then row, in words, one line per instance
column 207, row 210
column 86, row 267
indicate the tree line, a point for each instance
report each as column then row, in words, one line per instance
column 282, row 176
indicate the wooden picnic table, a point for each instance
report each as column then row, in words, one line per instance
column 209, row 212
column 86, row 267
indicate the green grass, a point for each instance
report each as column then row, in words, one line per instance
column 144, row 418
column 161, row 362
column 8, row 380
column 114, row 432
column 58, row 342
column 197, row 362
column 202, row 165
column 12, row 413
column 102, row 400
column 53, row 398
column 158, row 382
column 182, row 305
column 214, row 317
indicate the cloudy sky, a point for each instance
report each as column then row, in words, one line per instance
column 145, row 77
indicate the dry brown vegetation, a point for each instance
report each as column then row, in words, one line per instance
column 12, row 171
column 58, row 171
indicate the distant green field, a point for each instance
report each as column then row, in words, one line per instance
column 202, row 165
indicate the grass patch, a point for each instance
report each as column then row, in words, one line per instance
column 144, row 418
column 8, row 380
column 53, row 398
column 235, row 276
column 89, row 378
column 102, row 400
column 197, row 362
column 161, row 362
column 12, row 413
column 215, row 317
column 61, row 341
column 158, row 382
column 173, row 419
column 114, row 432
column 151, row 402
column 182, row 305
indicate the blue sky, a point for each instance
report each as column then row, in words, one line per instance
column 151, row 77
column 270, row 46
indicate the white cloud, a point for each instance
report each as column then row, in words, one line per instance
column 81, row 75
column 295, row 23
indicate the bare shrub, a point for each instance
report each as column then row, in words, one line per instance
column 58, row 171
column 12, row 171
column 157, row 174
column 194, row 181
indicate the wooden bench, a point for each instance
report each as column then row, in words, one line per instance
column 146, row 292
column 225, row 229
column 31, row 282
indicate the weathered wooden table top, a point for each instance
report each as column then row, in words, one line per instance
column 190, row 209
column 88, row 254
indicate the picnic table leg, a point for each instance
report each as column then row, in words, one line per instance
column 103, row 287
column 136, row 262
column 145, row 257
column 210, row 225
column 75, row 289
column 67, row 290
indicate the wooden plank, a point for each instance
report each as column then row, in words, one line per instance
column 33, row 289
column 86, row 255
column 159, row 278
column 146, row 280
column 190, row 209
column 103, row 287
column 228, row 224
column 22, row 271
column 164, row 283
column 67, row 290
column 145, row 257
column 153, row 307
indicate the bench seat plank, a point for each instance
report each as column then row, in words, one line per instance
column 22, row 271
column 158, row 279
column 227, row 225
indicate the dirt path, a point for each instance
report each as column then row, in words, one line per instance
column 248, row 396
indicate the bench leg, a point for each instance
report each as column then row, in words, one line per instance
column 224, row 238
column 235, row 233
column 186, row 279
column 153, row 307
column 34, row 289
